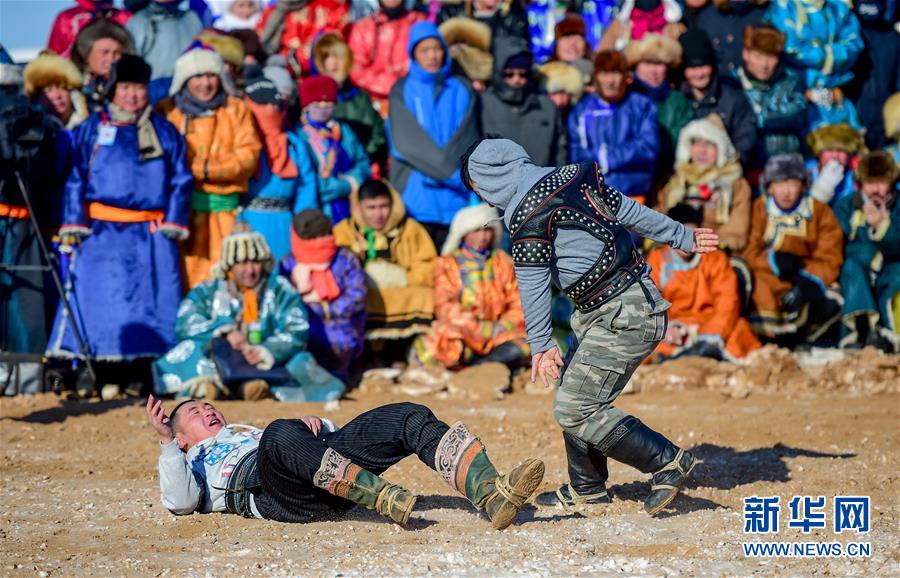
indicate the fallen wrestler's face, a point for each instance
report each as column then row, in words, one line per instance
column 197, row 421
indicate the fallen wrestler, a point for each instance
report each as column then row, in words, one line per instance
column 301, row 470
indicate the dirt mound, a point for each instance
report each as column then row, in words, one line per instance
column 479, row 382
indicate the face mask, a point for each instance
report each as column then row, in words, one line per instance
column 320, row 115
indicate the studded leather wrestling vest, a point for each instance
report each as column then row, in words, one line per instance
column 576, row 197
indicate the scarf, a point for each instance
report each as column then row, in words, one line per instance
column 474, row 270
column 709, row 184
column 317, row 254
column 190, row 106
column 650, row 21
column 325, row 141
column 149, row 146
column 657, row 94
column 270, row 123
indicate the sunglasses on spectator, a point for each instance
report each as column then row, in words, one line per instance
column 515, row 72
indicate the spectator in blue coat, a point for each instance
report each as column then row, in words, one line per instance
column 616, row 128
column 432, row 121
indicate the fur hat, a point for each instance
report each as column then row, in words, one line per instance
column 571, row 25
column 764, row 38
column 891, row 112
column 50, row 69
column 610, row 61
column 99, row 28
column 242, row 246
column 129, row 68
column 311, row 223
column 556, row 76
column 876, row 166
column 472, row 219
column 709, row 129
column 328, row 44
column 653, row 48
column 229, row 48
column 318, row 89
column 840, row 137
column 782, row 168
column 197, row 59
column 470, row 43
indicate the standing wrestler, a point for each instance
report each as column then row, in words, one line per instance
column 569, row 228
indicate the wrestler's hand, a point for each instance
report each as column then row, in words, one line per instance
column 313, row 423
column 252, row 355
column 546, row 364
column 705, row 241
column 236, row 339
column 159, row 420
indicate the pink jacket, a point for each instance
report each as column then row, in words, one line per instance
column 69, row 23
column 379, row 49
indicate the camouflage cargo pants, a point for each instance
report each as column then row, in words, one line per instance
column 612, row 342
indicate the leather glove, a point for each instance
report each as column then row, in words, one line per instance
column 804, row 291
column 789, row 265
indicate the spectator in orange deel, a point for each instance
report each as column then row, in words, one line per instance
column 705, row 317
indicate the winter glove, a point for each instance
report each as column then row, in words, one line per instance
column 830, row 178
column 788, row 264
column 804, row 291
column 174, row 232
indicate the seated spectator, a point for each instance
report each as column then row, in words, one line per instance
column 332, row 57
column 339, row 159
column 639, row 17
column 563, row 85
column 398, row 258
column 243, row 334
column 286, row 179
column 708, row 178
column 98, row 46
column 222, row 151
column 822, row 41
column 724, row 22
column 505, row 18
column 835, row 148
column 795, row 254
column 333, row 287
column 512, row 107
column 870, row 276
column 469, row 43
column 617, row 128
column 775, row 92
column 71, row 21
column 161, row 32
column 55, row 83
column 290, row 27
column 891, row 113
column 478, row 315
column 236, row 14
column 126, row 206
column 651, row 59
column 379, row 46
column 428, row 130
column 708, row 93
column 705, row 317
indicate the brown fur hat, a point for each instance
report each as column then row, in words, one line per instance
column 764, row 38
column 229, row 48
column 610, row 61
column 99, row 28
column 470, row 44
column 876, row 166
column 653, row 48
column 556, row 76
column 50, row 69
column 328, row 44
column 840, row 137
column 571, row 25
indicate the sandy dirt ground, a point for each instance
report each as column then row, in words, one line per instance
column 80, row 492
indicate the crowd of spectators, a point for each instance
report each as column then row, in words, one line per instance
column 247, row 195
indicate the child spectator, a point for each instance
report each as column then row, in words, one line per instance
column 338, row 156
column 398, row 257
column 477, row 311
column 835, row 148
column 795, row 253
column 236, row 14
column 333, row 288
column 870, row 276
column 705, row 317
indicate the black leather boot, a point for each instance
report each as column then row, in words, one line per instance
column 587, row 477
column 633, row 443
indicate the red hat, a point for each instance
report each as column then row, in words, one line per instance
column 318, row 89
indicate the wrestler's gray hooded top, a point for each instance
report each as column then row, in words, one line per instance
column 503, row 173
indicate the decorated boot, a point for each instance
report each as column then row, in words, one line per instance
column 587, row 479
column 340, row 477
column 462, row 462
column 635, row 444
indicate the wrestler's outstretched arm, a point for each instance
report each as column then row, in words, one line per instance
column 654, row 225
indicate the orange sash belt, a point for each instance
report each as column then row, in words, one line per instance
column 13, row 211
column 101, row 212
